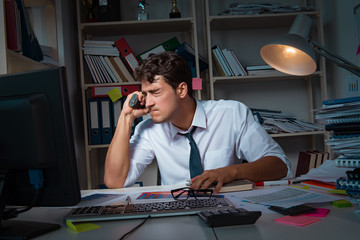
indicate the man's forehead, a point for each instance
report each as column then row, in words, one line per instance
column 158, row 79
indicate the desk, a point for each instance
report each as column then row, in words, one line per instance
column 341, row 223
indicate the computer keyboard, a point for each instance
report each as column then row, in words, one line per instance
column 143, row 210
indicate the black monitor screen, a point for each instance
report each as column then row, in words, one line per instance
column 37, row 155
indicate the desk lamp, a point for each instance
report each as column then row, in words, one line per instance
column 293, row 53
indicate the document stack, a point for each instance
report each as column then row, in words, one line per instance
column 342, row 118
column 275, row 121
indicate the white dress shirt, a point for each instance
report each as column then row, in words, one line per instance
column 226, row 132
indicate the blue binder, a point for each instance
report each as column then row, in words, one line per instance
column 94, row 122
column 106, row 120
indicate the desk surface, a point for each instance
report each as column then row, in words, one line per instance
column 341, row 223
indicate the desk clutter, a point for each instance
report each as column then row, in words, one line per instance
column 341, row 117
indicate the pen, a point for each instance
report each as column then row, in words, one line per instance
column 273, row 183
column 128, row 200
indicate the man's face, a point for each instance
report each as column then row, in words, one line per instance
column 161, row 99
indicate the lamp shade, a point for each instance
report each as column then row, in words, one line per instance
column 290, row 54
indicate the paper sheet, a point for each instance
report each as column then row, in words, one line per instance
column 283, row 196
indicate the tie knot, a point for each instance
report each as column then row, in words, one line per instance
column 189, row 134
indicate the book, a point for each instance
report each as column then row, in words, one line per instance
column 233, row 65
column 236, row 185
column 127, row 54
column 188, row 53
column 306, row 161
column 112, row 68
column 219, row 69
column 124, row 70
column 341, row 100
column 168, row 45
column 13, row 33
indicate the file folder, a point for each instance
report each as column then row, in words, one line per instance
column 106, row 121
column 169, row 45
column 127, row 53
column 102, row 91
column 94, row 122
column 116, row 109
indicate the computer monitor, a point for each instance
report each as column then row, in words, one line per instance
column 37, row 155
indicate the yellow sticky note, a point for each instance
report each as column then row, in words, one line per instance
column 338, row 191
column 82, row 227
column 114, row 94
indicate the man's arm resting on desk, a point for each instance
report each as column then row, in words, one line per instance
column 264, row 169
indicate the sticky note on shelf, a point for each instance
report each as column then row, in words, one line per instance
column 300, row 220
column 197, row 84
column 114, row 94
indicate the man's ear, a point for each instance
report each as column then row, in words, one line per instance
column 182, row 90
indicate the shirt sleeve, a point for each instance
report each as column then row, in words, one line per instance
column 254, row 142
column 141, row 153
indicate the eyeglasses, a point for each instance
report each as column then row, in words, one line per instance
column 186, row 192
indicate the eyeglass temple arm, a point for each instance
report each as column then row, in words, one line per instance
column 335, row 58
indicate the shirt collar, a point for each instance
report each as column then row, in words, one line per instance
column 199, row 120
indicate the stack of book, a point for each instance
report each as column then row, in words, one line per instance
column 341, row 118
column 104, row 62
column 275, row 121
column 226, row 63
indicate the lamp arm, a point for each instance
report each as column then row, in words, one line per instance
column 342, row 62
column 335, row 58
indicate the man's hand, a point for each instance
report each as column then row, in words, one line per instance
column 220, row 176
column 135, row 112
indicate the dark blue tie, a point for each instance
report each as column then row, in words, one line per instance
column 195, row 161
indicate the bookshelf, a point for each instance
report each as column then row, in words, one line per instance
column 38, row 9
column 141, row 36
column 246, row 34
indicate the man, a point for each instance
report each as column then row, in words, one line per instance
column 224, row 132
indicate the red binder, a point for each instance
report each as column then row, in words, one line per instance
column 126, row 53
column 12, row 25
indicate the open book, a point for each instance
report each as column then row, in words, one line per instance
column 237, row 185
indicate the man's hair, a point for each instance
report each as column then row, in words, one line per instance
column 170, row 65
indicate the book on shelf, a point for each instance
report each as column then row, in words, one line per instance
column 112, row 69
column 12, row 23
column 242, row 69
column 308, row 160
column 124, row 70
column 220, row 58
column 232, row 63
column 236, row 185
column 188, row 53
column 258, row 67
column 217, row 64
column 127, row 54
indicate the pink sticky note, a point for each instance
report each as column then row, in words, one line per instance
column 300, row 220
column 196, row 83
column 320, row 212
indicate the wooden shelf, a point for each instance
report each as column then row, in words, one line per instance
column 235, row 22
column 299, row 134
column 137, row 27
column 263, row 77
